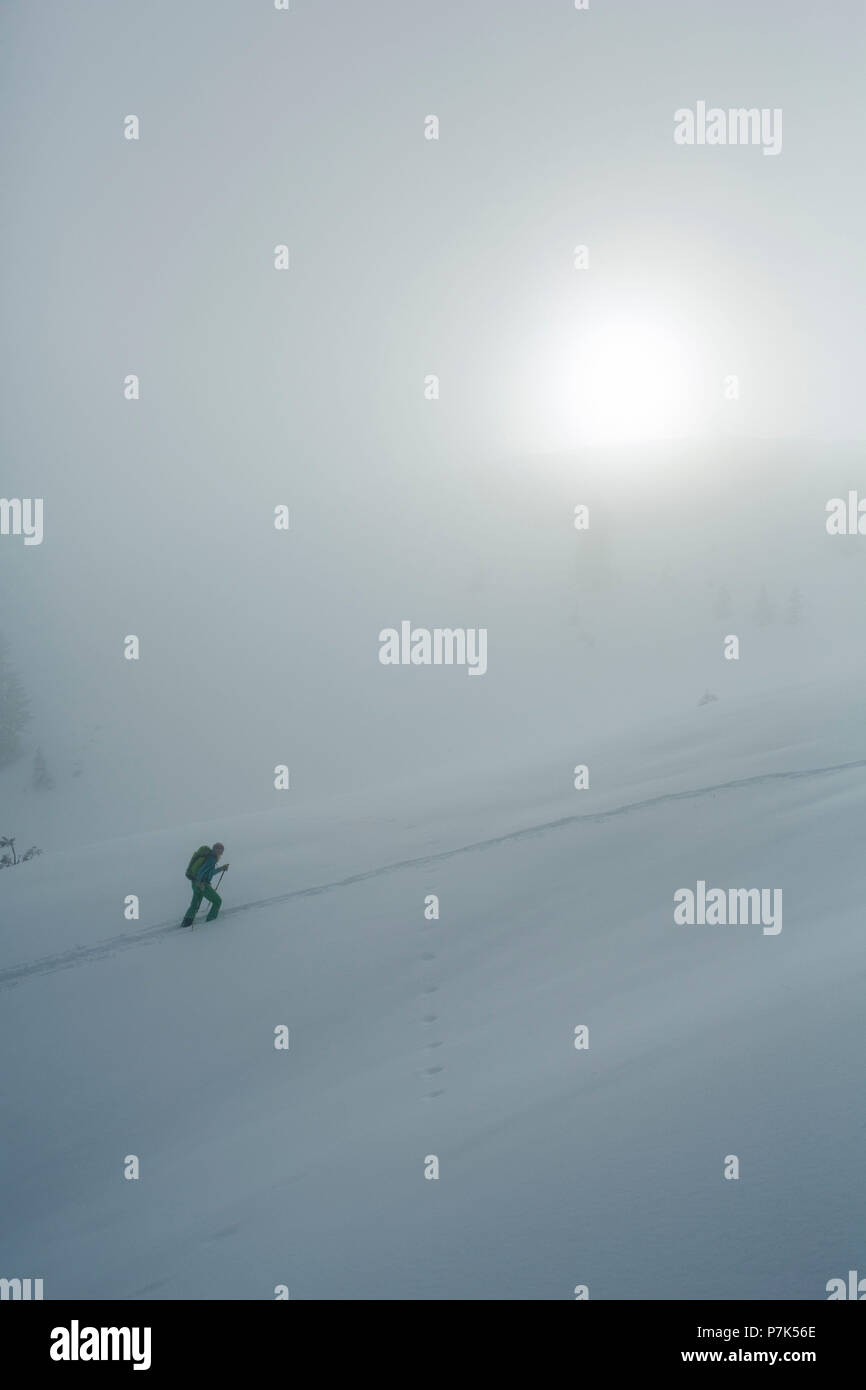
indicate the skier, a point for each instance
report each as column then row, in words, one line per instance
column 200, row 871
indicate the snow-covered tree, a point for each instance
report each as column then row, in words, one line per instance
column 722, row 604
column 42, row 778
column 14, row 710
column 764, row 611
column 794, row 607
column 9, row 856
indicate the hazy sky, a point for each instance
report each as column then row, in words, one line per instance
column 408, row 257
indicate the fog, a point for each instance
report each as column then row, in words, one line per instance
column 342, row 340
column 408, row 257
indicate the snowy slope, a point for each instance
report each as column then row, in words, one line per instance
column 455, row 1037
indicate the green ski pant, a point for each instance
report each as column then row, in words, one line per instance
column 199, row 891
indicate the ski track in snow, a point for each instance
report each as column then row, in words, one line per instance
column 81, row 955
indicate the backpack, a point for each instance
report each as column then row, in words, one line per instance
column 197, row 860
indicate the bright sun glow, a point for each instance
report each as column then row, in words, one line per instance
column 622, row 382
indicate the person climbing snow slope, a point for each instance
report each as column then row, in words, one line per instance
column 200, row 870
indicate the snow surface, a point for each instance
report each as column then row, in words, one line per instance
column 454, row 1037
